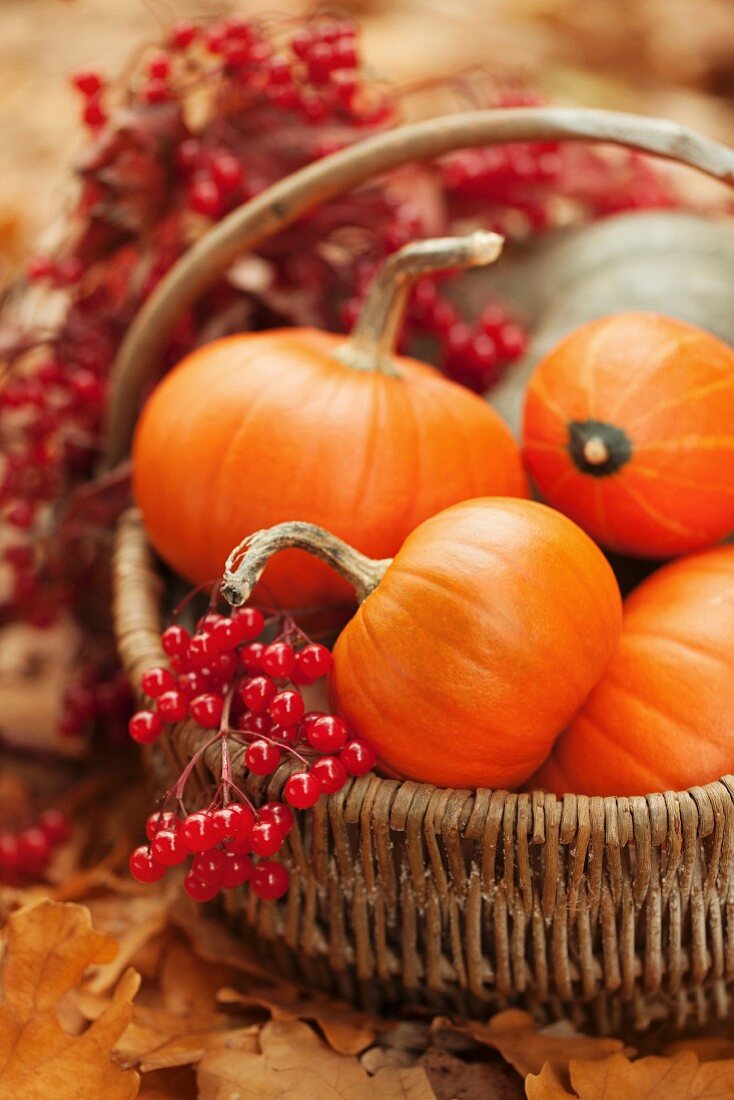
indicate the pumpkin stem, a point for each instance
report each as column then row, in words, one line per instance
column 372, row 342
column 596, row 451
column 246, row 564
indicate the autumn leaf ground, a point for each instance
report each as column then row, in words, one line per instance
column 114, row 990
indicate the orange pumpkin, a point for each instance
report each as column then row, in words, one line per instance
column 628, row 430
column 300, row 424
column 474, row 647
column 662, row 715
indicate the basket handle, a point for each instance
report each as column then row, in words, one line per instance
column 283, row 203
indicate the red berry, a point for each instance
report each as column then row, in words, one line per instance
column 327, row 734
column 54, row 824
column 9, row 857
column 251, row 656
column 173, row 706
column 223, row 634
column 188, row 155
column 192, row 684
column 314, row 661
column 205, row 197
column 94, row 114
column 163, row 819
column 249, row 622
column 358, row 757
column 175, row 641
column 145, row 727
column 262, row 758
column 182, row 34
column 209, row 866
column 34, row 848
column 286, row 708
column 198, row 890
column 169, row 847
column 260, row 724
column 302, row 790
column 513, row 341
column 21, row 515
column 301, row 42
column 200, row 832
column 344, row 54
column 331, row 774
column 157, row 680
column 234, row 821
column 156, row 91
column 87, row 82
column 267, row 838
column 284, row 735
column 223, row 666
column 202, row 648
column 269, row 880
column 144, row 867
column 237, row 870
column 227, row 172
column 206, row 710
column 279, row 814
column 159, row 65
column 278, row 659
column 257, row 693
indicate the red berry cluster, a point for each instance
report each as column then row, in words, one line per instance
column 245, row 692
column 220, row 843
column 26, row 853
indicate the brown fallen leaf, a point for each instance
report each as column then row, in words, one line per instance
column 514, row 1034
column 681, row 1077
column 156, row 1039
column 295, row 1064
column 546, row 1086
column 133, row 924
column 346, row 1029
column 48, row 948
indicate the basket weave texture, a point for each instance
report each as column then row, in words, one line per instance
column 613, row 912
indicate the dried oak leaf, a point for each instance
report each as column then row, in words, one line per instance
column 346, row 1029
column 681, row 1077
column 295, row 1064
column 514, row 1034
column 48, row 948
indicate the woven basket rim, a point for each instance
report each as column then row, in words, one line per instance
column 138, row 622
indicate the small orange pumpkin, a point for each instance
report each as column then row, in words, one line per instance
column 628, row 430
column 662, row 715
column 300, row 424
column 474, row 647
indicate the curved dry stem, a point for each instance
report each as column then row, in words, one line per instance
column 246, row 564
column 372, row 343
column 283, row 203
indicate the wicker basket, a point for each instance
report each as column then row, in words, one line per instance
column 613, row 912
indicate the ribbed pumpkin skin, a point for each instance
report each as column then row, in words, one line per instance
column 662, row 716
column 670, row 388
column 481, row 641
column 253, row 430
